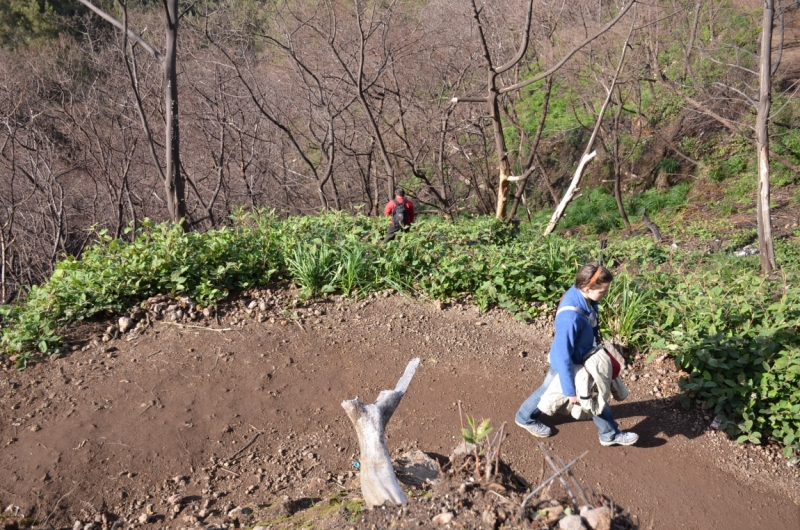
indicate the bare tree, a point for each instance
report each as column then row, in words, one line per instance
column 174, row 184
column 494, row 90
column 726, row 100
column 765, row 244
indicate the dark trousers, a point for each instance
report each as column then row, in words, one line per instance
column 393, row 230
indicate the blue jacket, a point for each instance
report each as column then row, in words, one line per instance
column 575, row 336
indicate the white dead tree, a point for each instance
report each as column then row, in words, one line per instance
column 495, row 89
column 588, row 153
column 378, row 482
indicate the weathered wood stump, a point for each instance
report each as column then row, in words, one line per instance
column 378, row 482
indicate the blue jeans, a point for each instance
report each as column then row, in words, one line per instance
column 607, row 428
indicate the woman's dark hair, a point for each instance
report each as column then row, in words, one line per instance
column 592, row 274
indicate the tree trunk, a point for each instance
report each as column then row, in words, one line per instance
column 765, row 243
column 173, row 179
column 500, row 146
column 570, row 193
column 378, row 481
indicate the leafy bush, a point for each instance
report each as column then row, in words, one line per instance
column 654, row 201
column 736, row 336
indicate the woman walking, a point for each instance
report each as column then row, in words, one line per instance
column 577, row 334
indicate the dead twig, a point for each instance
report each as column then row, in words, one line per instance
column 575, row 482
column 561, row 478
column 552, row 478
column 495, row 493
column 44, row 524
column 235, row 474
column 248, row 444
column 220, row 330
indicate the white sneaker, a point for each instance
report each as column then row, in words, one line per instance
column 536, row 428
column 621, row 438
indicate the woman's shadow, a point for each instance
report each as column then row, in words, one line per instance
column 659, row 420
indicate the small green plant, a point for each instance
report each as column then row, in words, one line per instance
column 626, row 311
column 312, row 267
column 351, row 269
column 474, row 433
column 668, row 165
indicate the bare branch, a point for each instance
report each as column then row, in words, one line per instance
column 572, row 52
column 116, row 23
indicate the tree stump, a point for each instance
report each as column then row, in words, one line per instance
column 378, row 482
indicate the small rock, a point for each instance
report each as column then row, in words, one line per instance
column 315, row 485
column 262, row 306
column 208, row 312
column 144, row 518
column 125, row 323
column 443, row 518
column 175, row 499
column 599, row 518
column 571, row 522
column 489, row 518
column 35, row 428
column 78, row 525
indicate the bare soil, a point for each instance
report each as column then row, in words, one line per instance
column 245, row 425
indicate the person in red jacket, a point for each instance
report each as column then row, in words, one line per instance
column 401, row 210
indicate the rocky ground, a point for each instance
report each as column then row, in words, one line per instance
column 180, row 419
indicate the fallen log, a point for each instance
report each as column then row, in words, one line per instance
column 378, row 482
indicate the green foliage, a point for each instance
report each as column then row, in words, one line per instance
column 654, row 201
column 668, row 165
column 24, row 22
column 736, row 335
column 112, row 275
column 561, row 110
column 311, row 266
column 596, row 209
column 628, row 307
column 475, row 432
column 734, row 166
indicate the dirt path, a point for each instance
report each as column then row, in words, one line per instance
column 122, row 425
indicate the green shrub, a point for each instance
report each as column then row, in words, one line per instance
column 736, row 336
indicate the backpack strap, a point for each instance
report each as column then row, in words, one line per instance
column 592, row 318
